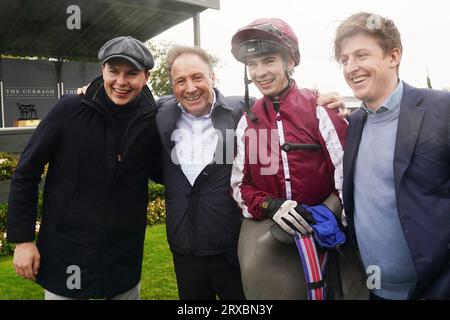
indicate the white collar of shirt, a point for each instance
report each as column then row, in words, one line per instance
column 195, row 142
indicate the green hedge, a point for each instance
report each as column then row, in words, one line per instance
column 7, row 165
column 156, row 214
column 155, row 191
column 156, row 209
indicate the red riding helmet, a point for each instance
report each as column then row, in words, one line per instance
column 262, row 36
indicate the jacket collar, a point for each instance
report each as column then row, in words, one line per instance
column 221, row 101
column 169, row 113
column 284, row 94
column 409, row 122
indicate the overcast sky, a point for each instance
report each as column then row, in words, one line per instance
column 423, row 24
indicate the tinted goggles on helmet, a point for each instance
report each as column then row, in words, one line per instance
column 253, row 48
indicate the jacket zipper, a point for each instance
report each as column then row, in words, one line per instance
column 124, row 143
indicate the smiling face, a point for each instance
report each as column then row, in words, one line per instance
column 268, row 73
column 192, row 83
column 370, row 73
column 122, row 81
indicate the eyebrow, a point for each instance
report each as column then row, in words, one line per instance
column 114, row 68
column 264, row 58
column 357, row 51
column 190, row 76
column 199, row 74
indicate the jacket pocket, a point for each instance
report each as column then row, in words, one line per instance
column 61, row 203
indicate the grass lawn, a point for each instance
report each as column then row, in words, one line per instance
column 158, row 277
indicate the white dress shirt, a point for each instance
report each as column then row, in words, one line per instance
column 195, row 142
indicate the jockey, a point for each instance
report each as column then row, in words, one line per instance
column 288, row 167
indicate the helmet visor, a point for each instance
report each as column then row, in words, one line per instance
column 253, row 48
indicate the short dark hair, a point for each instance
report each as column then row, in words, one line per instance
column 382, row 29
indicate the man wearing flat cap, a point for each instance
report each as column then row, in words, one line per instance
column 101, row 149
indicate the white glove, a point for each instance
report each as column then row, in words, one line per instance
column 290, row 220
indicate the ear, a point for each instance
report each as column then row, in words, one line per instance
column 213, row 79
column 291, row 64
column 147, row 75
column 395, row 57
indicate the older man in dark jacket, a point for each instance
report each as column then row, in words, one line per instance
column 196, row 126
column 101, row 150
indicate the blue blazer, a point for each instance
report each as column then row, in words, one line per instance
column 422, row 184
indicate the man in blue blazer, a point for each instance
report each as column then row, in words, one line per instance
column 396, row 166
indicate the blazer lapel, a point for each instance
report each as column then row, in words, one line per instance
column 223, row 122
column 352, row 142
column 409, row 122
column 353, row 139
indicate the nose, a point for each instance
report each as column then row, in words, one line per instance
column 257, row 71
column 351, row 66
column 190, row 86
column 121, row 79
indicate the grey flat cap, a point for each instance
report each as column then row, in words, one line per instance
column 127, row 48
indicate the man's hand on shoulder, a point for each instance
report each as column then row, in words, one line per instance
column 333, row 100
column 82, row 91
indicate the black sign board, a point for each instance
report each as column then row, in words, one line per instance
column 32, row 85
